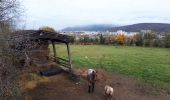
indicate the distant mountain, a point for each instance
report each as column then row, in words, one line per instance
column 158, row 27
column 100, row 27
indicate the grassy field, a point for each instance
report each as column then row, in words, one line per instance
column 152, row 65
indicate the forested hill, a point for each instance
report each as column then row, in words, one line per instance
column 101, row 27
column 158, row 27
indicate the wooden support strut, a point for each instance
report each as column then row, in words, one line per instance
column 54, row 51
column 69, row 55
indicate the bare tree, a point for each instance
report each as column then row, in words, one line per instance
column 9, row 10
column 9, row 87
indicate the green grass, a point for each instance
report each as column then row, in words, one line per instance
column 152, row 65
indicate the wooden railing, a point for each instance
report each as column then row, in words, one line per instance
column 63, row 62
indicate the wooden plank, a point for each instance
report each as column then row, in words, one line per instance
column 62, row 59
column 66, row 63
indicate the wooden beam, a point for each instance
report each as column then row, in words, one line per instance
column 54, row 51
column 69, row 55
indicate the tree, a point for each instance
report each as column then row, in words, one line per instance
column 102, row 39
column 138, row 39
column 96, row 40
column 167, row 40
column 129, row 41
column 72, row 39
column 9, row 10
column 9, row 87
column 113, row 39
column 121, row 38
column 149, row 39
column 107, row 40
column 86, row 40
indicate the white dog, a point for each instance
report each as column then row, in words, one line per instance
column 109, row 91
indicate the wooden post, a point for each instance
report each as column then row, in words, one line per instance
column 54, row 51
column 69, row 55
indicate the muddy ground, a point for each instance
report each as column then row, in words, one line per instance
column 62, row 87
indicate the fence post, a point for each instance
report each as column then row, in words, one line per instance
column 69, row 55
column 54, row 51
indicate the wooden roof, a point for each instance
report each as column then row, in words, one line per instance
column 45, row 35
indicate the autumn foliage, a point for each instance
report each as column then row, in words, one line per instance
column 121, row 39
column 46, row 28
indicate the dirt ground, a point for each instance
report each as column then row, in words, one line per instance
column 61, row 87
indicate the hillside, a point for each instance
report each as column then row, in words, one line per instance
column 100, row 27
column 158, row 27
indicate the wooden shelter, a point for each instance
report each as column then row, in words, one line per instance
column 54, row 38
column 44, row 38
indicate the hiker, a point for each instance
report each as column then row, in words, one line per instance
column 91, row 77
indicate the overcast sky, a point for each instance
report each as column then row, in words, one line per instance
column 64, row 13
